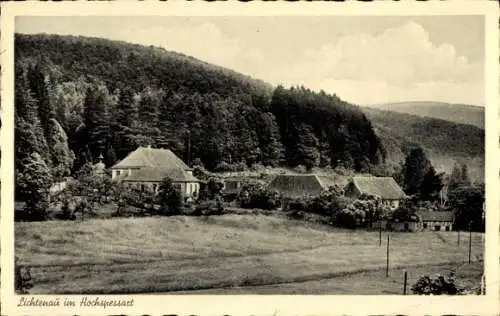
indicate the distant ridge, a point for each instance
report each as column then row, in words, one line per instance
column 457, row 113
column 445, row 142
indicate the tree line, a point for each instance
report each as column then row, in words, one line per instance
column 79, row 98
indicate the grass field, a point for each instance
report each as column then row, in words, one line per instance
column 231, row 253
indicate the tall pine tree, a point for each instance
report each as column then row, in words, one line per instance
column 38, row 86
column 416, row 169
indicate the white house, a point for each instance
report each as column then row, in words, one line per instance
column 147, row 167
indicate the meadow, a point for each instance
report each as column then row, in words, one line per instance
column 232, row 254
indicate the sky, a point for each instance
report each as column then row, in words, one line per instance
column 362, row 59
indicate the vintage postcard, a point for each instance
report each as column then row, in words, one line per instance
column 249, row 158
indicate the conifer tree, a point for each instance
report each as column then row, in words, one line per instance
column 431, row 185
column 414, row 170
column 38, row 87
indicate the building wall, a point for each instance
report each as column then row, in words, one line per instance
column 415, row 226
column 189, row 189
column 405, row 226
column 118, row 172
column 433, row 226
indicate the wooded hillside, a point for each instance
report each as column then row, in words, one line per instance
column 77, row 98
column 457, row 113
column 446, row 143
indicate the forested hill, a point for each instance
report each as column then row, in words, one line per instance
column 445, row 142
column 457, row 113
column 77, row 98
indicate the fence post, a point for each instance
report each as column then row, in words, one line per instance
column 458, row 237
column 380, row 233
column 405, row 281
column 387, row 263
column 470, row 241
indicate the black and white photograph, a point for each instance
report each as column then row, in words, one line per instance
column 249, row 155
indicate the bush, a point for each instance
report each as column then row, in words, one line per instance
column 211, row 207
column 67, row 212
column 329, row 202
column 169, row 198
column 350, row 217
column 297, row 205
column 362, row 212
column 439, row 285
column 23, row 280
column 257, row 196
column 212, row 189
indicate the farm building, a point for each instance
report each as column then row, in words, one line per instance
column 436, row 221
column 385, row 188
column 233, row 185
column 147, row 167
column 298, row 185
column 421, row 221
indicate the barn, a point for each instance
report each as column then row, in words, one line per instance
column 385, row 188
column 298, row 185
column 423, row 221
column 436, row 221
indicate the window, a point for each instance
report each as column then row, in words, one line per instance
column 407, row 226
column 437, row 228
column 447, row 228
column 425, row 225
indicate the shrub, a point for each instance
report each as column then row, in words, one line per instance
column 297, row 205
column 169, row 198
column 439, row 285
column 257, row 196
column 23, row 280
column 67, row 212
column 210, row 207
column 212, row 189
column 329, row 202
column 350, row 217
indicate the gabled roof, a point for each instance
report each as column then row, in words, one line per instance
column 326, row 181
column 296, row 185
column 158, row 174
column 146, row 157
column 383, row 187
column 435, row 216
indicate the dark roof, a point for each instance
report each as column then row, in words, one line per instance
column 297, row 185
column 435, row 216
column 383, row 187
column 158, row 174
column 146, row 157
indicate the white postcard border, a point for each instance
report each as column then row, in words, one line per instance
column 259, row 304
